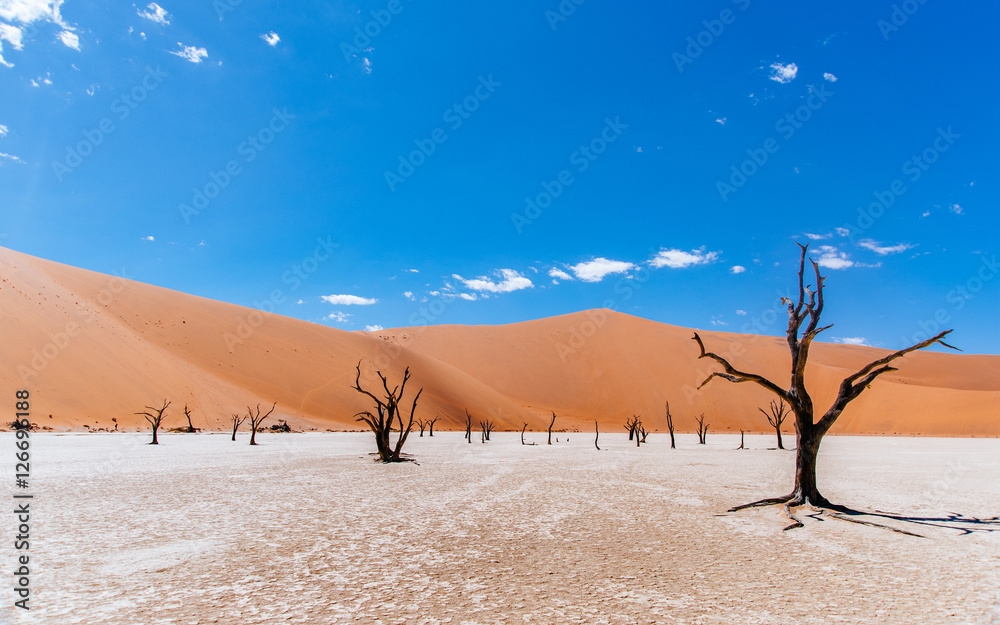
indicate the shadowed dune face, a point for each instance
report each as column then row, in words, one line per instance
column 93, row 347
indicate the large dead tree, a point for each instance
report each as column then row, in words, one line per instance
column 155, row 417
column 779, row 412
column 553, row 422
column 670, row 426
column 809, row 431
column 702, row 429
column 389, row 412
column 256, row 419
column 237, row 422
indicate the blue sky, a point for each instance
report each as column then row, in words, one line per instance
column 402, row 163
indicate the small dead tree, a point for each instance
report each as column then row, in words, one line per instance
column 553, row 422
column 431, row 424
column 670, row 426
column 422, row 424
column 779, row 412
column 630, row 427
column 597, row 434
column 741, row 441
column 237, row 422
column 468, row 426
column 389, row 412
column 702, row 429
column 155, row 417
column 187, row 413
column 809, row 431
column 256, row 419
column 523, row 428
column 641, row 433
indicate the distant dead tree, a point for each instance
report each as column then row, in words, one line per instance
column 641, row 434
column 389, row 412
column 553, row 422
column 237, row 422
column 597, row 434
column 155, row 417
column 808, row 431
column 256, row 419
column 468, row 426
column 630, row 425
column 779, row 412
column 431, row 424
column 422, row 424
column 670, row 426
column 187, row 413
column 523, row 428
column 702, row 429
column 487, row 428
column 741, row 441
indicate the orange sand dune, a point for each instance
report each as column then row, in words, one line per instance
column 92, row 347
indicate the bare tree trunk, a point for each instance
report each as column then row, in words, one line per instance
column 670, row 426
column 468, row 426
column 523, row 428
column 597, row 434
column 741, row 441
column 550, row 427
column 431, row 423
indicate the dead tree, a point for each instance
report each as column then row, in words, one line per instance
column 431, row 424
column 702, row 429
column 389, row 412
column 256, row 419
column 187, row 413
column 597, row 434
column 630, row 425
column 779, row 412
column 670, row 426
column 809, row 431
column 741, row 441
column 641, row 433
column 468, row 426
column 155, row 417
column 487, row 427
column 237, row 422
column 422, row 424
column 553, row 422
column 523, row 428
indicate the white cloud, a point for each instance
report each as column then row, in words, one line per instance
column 374, row 328
column 12, row 35
column 191, row 53
column 510, row 281
column 595, row 270
column 348, row 300
column 721, row 121
column 413, row 270
column 741, row 312
column 3, row 130
column 27, row 11
column 638, row 149
column 955, row 208
column 925, row 214
column 737, row 269
column 718, row 322
column 559, row 274
column 830, row 77
column 11, row 157
column 678, row 259
column 301, row 301
column 408, row 295
column 843, row 232
column 38, row 82
column 469, row 296
column 818, row 237
column 271, row 38
column 883, row 250
column 366, row 65
column 70, row 39
column 783, row 73
column 149, row 238
column 339, row 317
column 852, row 340
column 831, row 258
column 156, row 13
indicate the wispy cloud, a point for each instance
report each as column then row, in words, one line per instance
column 783, row 73
column 843, row 232
column 559, row 274
column 191, row 53
column 3, row 130
column 70, row 39
column 348, row 300
column 374, row 328
column 679, row 259
column 955, row 208
column 12, row 35
column 595, row 270
column 818, row 237
column 852, row 340
column 832, row 258
column 271, row 38
column 883, row 250
column 409, row 295
column 11, row 157
column 510, row 280
column 339, row 317
column 155, row 13
column 147, row 238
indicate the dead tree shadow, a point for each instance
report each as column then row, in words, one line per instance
column 955, row 521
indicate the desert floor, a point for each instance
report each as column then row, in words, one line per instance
column 305, row 528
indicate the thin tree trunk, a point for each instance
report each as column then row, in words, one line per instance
column 780, row 444
column 597, row 434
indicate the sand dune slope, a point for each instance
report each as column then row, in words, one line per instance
column 92, row 348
